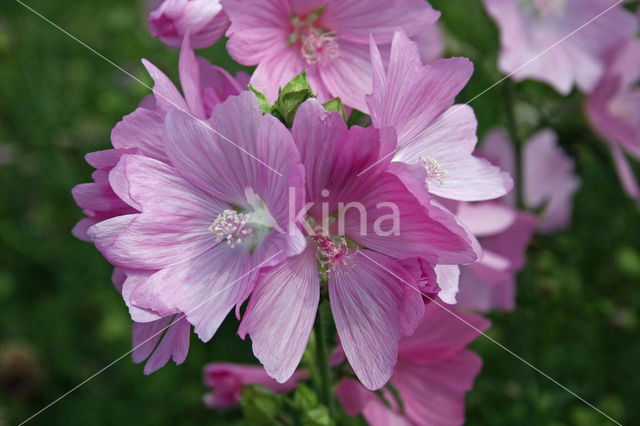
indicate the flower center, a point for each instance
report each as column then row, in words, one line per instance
column 331, row 252
column 232, row 227
column 317, row 45
column 435, row 174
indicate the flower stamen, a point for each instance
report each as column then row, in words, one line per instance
column 232, row 227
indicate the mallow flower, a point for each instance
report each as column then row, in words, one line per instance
column 433, row 373
column 207, row 220
column 360, row 230
column 548, row 173
column 417, row 101
column 327, row 38
column 614, row 111
column 530, row 27
column 204, row 20
column 140, row 133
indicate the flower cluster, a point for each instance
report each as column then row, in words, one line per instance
column 340, row 173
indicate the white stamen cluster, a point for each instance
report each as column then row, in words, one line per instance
column 435, row 174
column 232, row 227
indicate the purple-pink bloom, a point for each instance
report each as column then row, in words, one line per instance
column 227, row 380
column 327, row 38
column 417, row 101
column 529, row 28
column 204, row 225
column 140, row 132
column 433, row 373
column 203, row 20
column 549, row 179
column 614, row 111
column 364, row 283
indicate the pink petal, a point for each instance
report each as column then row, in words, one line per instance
column 369, row 303
column 442, row 332
column 628, row 179
column 487, row 218
column 166, row 95
column 190, row 79
column 355, row 20
column 281, row 314
column 206, row 288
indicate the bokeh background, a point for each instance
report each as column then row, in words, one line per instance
column 61, row 319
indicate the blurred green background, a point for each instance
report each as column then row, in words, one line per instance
column 62, row 321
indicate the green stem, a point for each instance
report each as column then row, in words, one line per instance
column 322, row 357
column 512, row 128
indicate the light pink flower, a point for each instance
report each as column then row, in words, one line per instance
column 328, row 38
column 530, row 27
column 204, row 20
column 614, row 111
column 549, row 180
column 205, row 225
column 430, row 43
column 416, row 100
column 504, row 234
column 140, row 132
column 433, row 373
column 369, row 288
column 227, row 380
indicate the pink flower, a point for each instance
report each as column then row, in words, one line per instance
column 372, row 301
column 549, row 180
column 140, row 132
column 416, row 100
column 226, row 382
column 328, row 38
column 204, row 20
column 504, row 234
column 433, row 373
column 530, row 27
column 205, row 226
column 614, row 111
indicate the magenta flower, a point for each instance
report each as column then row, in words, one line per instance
column 504, row 234
column 227, row 380
column 416, row 100
column 205, row 226
column 530, row 27
column 370, row 291
column 204, row 20
column 549, row 180
column 327, row 38
column 614, row 111
column 433, row 373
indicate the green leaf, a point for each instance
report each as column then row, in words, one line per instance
column 335, row 105
column 304, row 398
column 262, row 99
column 318, row 416
column 260, row 404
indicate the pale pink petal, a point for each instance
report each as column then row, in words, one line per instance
column 549, row 180
column 628, row 179
column 442, row 332
column 206, row 288
column 368, row 317
column 172, row 344
column 167, row 97
column 499, row 150
column 190, row 79
column 142, row 130
column 281, row 314
column 447, row 278
column 485, row 219
column 355, row 20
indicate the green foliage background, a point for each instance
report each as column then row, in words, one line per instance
column 62, row 321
